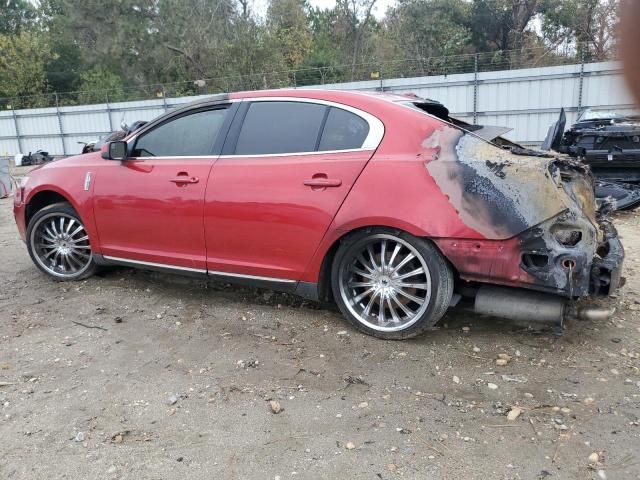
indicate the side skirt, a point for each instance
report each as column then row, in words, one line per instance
column 307, row 290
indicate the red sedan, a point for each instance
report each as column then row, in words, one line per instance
column 381, row 203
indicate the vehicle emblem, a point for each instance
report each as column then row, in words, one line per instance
column 87, row 181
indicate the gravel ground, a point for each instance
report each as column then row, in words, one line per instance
column 137, row 375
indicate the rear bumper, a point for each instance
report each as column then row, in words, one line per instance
column 606, row 269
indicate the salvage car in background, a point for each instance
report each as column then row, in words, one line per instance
column 610, row 144
column 382, row 203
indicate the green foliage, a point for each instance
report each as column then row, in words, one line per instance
column 93, row 49
column 99, row 86
column 22, row 68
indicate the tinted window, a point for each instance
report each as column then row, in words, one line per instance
column 280, row 127
column 188, row 135
column 343, row 130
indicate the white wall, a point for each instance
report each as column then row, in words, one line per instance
column 527, row 100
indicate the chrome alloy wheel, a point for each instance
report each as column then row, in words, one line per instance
column 61, row 245
column 387, row 284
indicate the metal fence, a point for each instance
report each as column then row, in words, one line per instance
column 491, row 92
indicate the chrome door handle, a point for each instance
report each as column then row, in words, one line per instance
column 185, row 179
column 323, row 182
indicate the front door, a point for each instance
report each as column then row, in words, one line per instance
column 271, row 199
column 149, row 208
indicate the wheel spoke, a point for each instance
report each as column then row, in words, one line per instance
column 362, row 273
column 394, row 254
column 367, row 309
column 72, row 258
column 381, row 312
column 81, row 239
column 48, row 254
column 404, row 261
column 413, row 298
column 360, row 284
column 419, row 286
column 69, row 225
column 361, row 259
column 402, row 306
column 53, row 227
column 372, row 257
column 412, row 273
column 383, row 254
column 394, row 315
column 61, row 225
column 357, row 299
column 76, row 231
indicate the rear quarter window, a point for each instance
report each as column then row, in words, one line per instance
column 343, row 131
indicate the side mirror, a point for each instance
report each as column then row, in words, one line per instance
column 115, row 150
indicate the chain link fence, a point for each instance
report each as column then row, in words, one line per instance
column 422, row 67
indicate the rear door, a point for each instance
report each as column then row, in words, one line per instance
column 149, row 208
column 286, row 168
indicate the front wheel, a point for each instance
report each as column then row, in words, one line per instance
column 58, row 243
column 390, row 284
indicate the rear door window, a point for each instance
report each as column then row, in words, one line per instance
column 280, row 127
column 186, row 136
column 343, row 131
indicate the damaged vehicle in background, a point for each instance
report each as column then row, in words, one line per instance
column 381, row 203
column 610, row 144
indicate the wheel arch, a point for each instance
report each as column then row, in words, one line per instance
column 43, row 198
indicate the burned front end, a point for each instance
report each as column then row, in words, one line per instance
column 535, row 216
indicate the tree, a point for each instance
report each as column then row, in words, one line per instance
column 428, row 29
column 587, row 26
column 16, row 15
column 99, row 86
column 501, row 24
column 22, row 67
column 287, row 21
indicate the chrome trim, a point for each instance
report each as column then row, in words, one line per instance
column 252, row 277
column 296, row 154
column 153, row 264
column 87, row 181
column 197, row 270
column 374, row 137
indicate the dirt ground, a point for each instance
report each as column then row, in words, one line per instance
column 164, row 377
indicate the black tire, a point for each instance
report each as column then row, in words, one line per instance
column 76, row 256
column 395, row 297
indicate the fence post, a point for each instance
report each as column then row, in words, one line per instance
column 164, row 99
column 581, row 83
column 106, row 97
column 60, row 129
column 15, row 123
column 475, row 89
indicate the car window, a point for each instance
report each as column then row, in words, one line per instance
column 280, row 127
column 189, row 135
column 343, row 131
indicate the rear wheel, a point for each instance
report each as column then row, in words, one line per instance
column 390, row 284
column 59, row 244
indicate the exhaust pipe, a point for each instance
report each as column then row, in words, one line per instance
column 519, row 304
column 528, row 306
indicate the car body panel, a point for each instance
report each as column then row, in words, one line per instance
column 141, row 214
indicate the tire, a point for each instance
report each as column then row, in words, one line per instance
column 59, row 244
column 415, row 283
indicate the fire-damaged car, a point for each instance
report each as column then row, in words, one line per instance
column 610, row 144
column 381, row 203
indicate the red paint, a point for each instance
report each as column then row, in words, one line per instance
column 256, row 216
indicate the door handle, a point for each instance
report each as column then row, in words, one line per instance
column 323, row 182
column 184, row 179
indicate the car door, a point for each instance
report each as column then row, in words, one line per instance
column 286, row 168
column 149, row 208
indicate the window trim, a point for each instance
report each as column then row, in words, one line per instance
column 371, row 142
column 216, row 146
